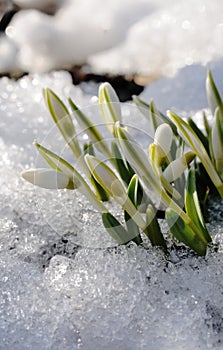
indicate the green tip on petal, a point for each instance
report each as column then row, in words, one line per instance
column 109, row 105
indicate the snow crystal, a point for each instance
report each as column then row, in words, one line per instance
column 30, row 317
column 64, row 283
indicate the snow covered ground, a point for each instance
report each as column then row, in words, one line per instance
column 147, row 37
column 64, row 284
column 60, row 287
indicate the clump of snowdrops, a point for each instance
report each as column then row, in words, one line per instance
column 161, row 181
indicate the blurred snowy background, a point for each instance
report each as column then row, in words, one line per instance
column 145, row 37
column 63, row 284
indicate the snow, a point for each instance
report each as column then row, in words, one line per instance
column 185, row 92
column 175, row 35
column 64, row 283
column 41, row 4
column 147, row 37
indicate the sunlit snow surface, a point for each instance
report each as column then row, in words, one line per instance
column 148, row 37
column 64, row 283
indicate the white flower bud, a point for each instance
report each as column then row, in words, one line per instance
column 105, row 176
column 110, row 182
column 109, row 105
column 176, row 168
column 59, row 113
column 163, row 139
column 46, row 178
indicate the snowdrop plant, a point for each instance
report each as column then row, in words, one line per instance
column 147, row 185
column 207, row 146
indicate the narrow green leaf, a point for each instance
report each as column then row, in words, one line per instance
column 183, row 233
column 197, row 146
column 132, row 227
column 114, row 187
column 151, row 113
column 192, row 205
column 62, row 165
column 89, row 149
column 115, row 229
column 154, row 115
column 137, row 158
column 206, row 124
column 90, row 129
column 63, row 120
column 152, row 230
column 54, row 160
column 101, row 193
column 125, row 170
column 213, row 96
column 199, row 133
column 217, row 143
column 133, row 188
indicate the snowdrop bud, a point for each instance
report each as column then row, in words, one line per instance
column 176, row 168
column 105, row 176
column 63, row 120
column 114, row 187
column 163, row 139
column 131, row 150
column 59, row 113
column 109, row 105
column 47, row 178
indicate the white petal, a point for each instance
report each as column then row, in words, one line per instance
column 175, row 169
column 102, row 173
column 113, row 98
column 46, row 178
column 60, row 113
column 163, row 137
column 110, row 105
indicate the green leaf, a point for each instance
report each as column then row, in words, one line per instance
column 135, row 192
column 114, row 187
column 90, row 129
column 213, row 96
column 199, row 133
column 154, row 115
column 115, row 229
column 184, row 233
column 152, row 230
column 137, row 158
column 134, row 196
column 125, row 170
column 54, row 160
column 217, row 143
column 151, row 113
column 101, row 193
column 63, row 120
column 192, row 205
column 206, row 125
column 62, row 165
column 89, row 149
column 197, row 146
